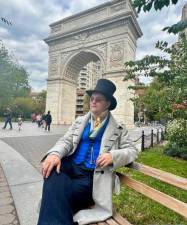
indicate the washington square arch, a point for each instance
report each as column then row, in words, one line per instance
column 107, row 33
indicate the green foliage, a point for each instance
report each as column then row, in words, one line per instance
column 169, row 84
column 177, row 131
column 23, row 106
column 13, row 79
column 177, row 137
column 176, row 151
column 27, row 105
column 39, row 102
column 147, row 5
column 155, row 101
column 176, row 28
column 42, row 96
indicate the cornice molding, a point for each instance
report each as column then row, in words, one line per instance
column 105, row 24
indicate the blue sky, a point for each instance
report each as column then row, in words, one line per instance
column 30, row 26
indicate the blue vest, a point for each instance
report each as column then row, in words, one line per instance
column 87, row 151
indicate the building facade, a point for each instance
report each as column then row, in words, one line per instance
column 87, row 79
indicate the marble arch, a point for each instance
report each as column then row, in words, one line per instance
column 108, row 33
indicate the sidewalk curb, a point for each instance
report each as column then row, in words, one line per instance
column 24, row 181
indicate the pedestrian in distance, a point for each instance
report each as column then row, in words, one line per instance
column 48, row 120
column 8, row 118
column 78, row 171
column 39, row 119
column 43, row 123
column 33, row 117
column 20, row 122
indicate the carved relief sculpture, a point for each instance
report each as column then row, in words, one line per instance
column 116, row 56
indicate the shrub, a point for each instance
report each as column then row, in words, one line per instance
column 177, row 138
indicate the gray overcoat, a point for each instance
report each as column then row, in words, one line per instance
column 116, row 141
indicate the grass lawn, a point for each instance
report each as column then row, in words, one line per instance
column 140, row 210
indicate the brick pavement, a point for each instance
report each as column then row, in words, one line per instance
column 8, row 214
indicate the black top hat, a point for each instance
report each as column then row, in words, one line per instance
column 106, row 88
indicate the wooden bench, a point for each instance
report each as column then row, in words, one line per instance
column 160, row 197
column 115, row 220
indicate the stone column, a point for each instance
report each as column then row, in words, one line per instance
column 61, row 101
column 124, row 112
column 120, row 51
column 52, row 100
column 67, row 102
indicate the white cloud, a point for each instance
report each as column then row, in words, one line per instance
column 3, row 32
column 31, row 19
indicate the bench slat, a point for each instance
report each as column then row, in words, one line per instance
column 102, row 223
column 166, row 200
column 121, row 220
column 161, row 175
column 111, row 222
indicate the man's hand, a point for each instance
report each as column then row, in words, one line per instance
column 104, row 160
column 49, row 163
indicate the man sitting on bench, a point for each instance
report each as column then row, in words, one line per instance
column 79, row 170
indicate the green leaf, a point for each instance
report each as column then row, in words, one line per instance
column 174, row 1
column 176, row 28
column 147, row 5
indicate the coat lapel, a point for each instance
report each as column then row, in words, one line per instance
column 79, row 128
column 111, row 133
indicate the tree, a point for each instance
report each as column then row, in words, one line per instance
column 13, row 78
column 27, row 105
column 147, row 5
column 23, row 106
column 169, row 86
column 40, row 102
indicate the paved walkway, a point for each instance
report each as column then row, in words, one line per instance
column 8, row 214
column 20, row 179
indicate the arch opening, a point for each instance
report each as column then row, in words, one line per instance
column 79, row 61
column 83, row 70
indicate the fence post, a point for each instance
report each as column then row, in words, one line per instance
column 142, row 147
column 152, row 138
column 157, row 136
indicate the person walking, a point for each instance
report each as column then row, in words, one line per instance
column 8, row 118
column 79, row 170
column 48, row 120
column 39, row 119
column 43, row 123
column 20, row 121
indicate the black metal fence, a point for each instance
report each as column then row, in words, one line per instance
column 152, row 139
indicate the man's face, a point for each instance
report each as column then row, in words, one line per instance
column 98, row 103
